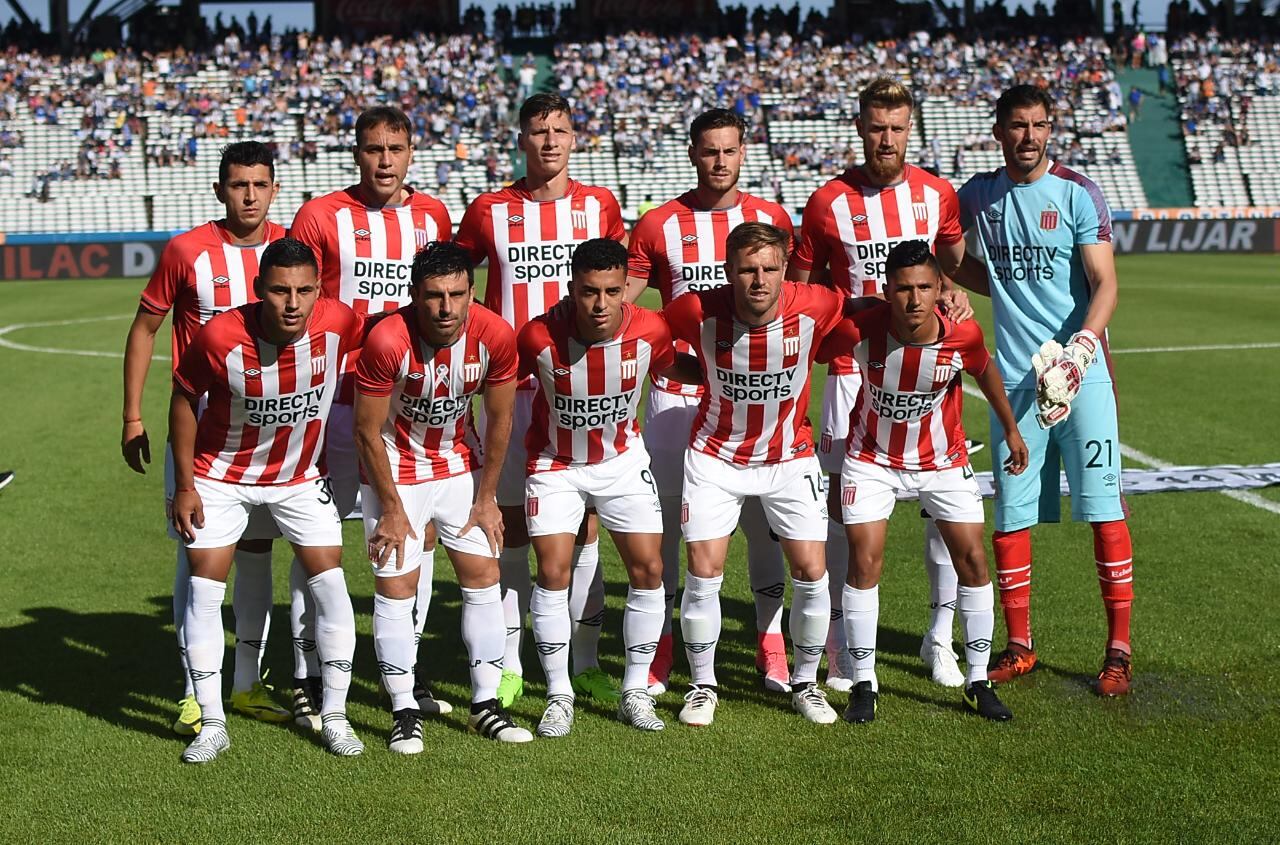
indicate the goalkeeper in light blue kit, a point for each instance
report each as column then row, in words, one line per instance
column 1050, row 272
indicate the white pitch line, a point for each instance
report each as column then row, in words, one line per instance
column 1245, row 496
column 87, row 353
column 1209, row 348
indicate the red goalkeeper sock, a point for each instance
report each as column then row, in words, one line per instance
column 1113, row 552
column 1013, row 571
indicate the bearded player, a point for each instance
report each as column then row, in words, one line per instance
column 528, row 232
column 676, row 248
column 365, row 237
column 202, row 273
column 849, row 226
column 1050, row 272
column 271, row 370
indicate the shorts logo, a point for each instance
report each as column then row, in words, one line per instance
column 848, row 495
column 684, row 512
column 690, row 239
column 920, row 211
column 1048, row 220
column 471, row 372
column 629, row 368
column 221, row 280
column 825, row 443
column 515, row 218
column 791, row 346
column 421, row 238
column 531, row 506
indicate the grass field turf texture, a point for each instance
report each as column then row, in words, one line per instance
column 90, row 671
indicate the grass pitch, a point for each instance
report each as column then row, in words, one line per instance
column 89, row 670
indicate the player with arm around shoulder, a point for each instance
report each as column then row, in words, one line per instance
column 906, row 435
column 271, row 370
column 420, row 368
column 1046, row 234
column 590, row 355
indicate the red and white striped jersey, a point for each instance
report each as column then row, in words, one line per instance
column 586, row 410
column 428, row 431
column 908, row 412
column 529, row 244
column 754, row 410
column 200, row 275
column 850, row 225
column 268, row 404
column 678, row 247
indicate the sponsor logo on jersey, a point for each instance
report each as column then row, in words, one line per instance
column 1049, row 220
column 577, row 412
column 286, row 409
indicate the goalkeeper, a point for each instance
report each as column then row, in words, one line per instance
column 1046, row 234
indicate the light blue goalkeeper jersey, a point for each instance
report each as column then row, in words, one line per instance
column 1031, row 234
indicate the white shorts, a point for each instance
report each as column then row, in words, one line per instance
column 340, row 456
column 793, row 494
column 668, row 423
column 511, row 480
column 868, row 492
column 445, row 502
column 620, row 489
column 839, row 395
column 305, row 512
column 261, row 525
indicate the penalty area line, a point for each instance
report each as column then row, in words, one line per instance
column 48, row 324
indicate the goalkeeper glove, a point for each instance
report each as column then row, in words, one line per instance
column 1060, row 380
column 1048, row 413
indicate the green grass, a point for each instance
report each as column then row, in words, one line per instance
column 88, row 670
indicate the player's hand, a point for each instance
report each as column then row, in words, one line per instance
column 955, row 304
column 1017, row 460
column 135, row 446
column 188, row 514
column 488, row 518
column 390, row 535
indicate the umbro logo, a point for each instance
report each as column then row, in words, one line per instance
column 643, row 648
column 221, row 280
column 197, row 675
column 724, row 344
column 361, row 233
column 516, row 218
column 773, row 591
column 811, row 650
column 550, row 648
column 859, row 218
column 861, row 653
column 978, row 645
column 993, row 214
column 340, row 665
column 253, row 372
column 699, row 648
column 690, row 239
column 416, row 376
column 391, row 669
column 875, row 365
column 560, row 372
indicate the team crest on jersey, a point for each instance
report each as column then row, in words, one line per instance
column 471, row 371
column 944, row 373
column 1049, row 219
column 920, row 211
column 221, row 280
column 318, row 363
column 421, row 238
column 629, row 368
column 791, row 346
column 579, row 218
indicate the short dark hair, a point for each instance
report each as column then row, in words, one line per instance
column 440, row 258
column 599, row 254
column 245, row 154
column 755, row 237
column 716, row 119
column 541, row 105
column 910, row 254
column 388, row 116
column 1022, row 97
column 286, row 252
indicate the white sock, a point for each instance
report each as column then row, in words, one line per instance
column 700, row 626
column 942, row 585
column 251, row 601
column 641, row 627
column 393, row 640
column 181, row 593
column 422, row 603
column 517, row 586
column 837, row 576
column 766, row 568
column 206, row 647
column 586, row 606
column 302, row 624
column 483, row 637
column 670, row 557
column 861, row 618
column 977, row 620
column 810, row 619
column 551, row 634
column 335, row 637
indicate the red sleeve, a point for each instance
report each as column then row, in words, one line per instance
column 307, row 227
column 825, row 305
column 200, row 366
column 162, row 289
column 379, row 364
column 444, row 223
column 973, row 349
column 684, row 318
column 811, row 247
column 613, row 228
column 470, row 235
column 533, row 338
column 640, row 249
column 844, row 335
column 501, row 341
column 949, row 231
column 658, row 336
column 783, row 222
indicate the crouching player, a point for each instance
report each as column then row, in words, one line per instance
column 418, row 372
column 906, row 435
column 590, row 355
column 271, row 371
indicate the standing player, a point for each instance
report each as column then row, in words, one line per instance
column 528, row 232
column 676, row 248
column 849, row 226
column 906, row 435
column 365, row 237
column 756, row 338
column 1046, row 233
column 271, row 370
column 590, row 355
column 419, row 370
column 202, row 273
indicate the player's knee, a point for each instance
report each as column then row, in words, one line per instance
column 971, row 567
column 646, row 573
